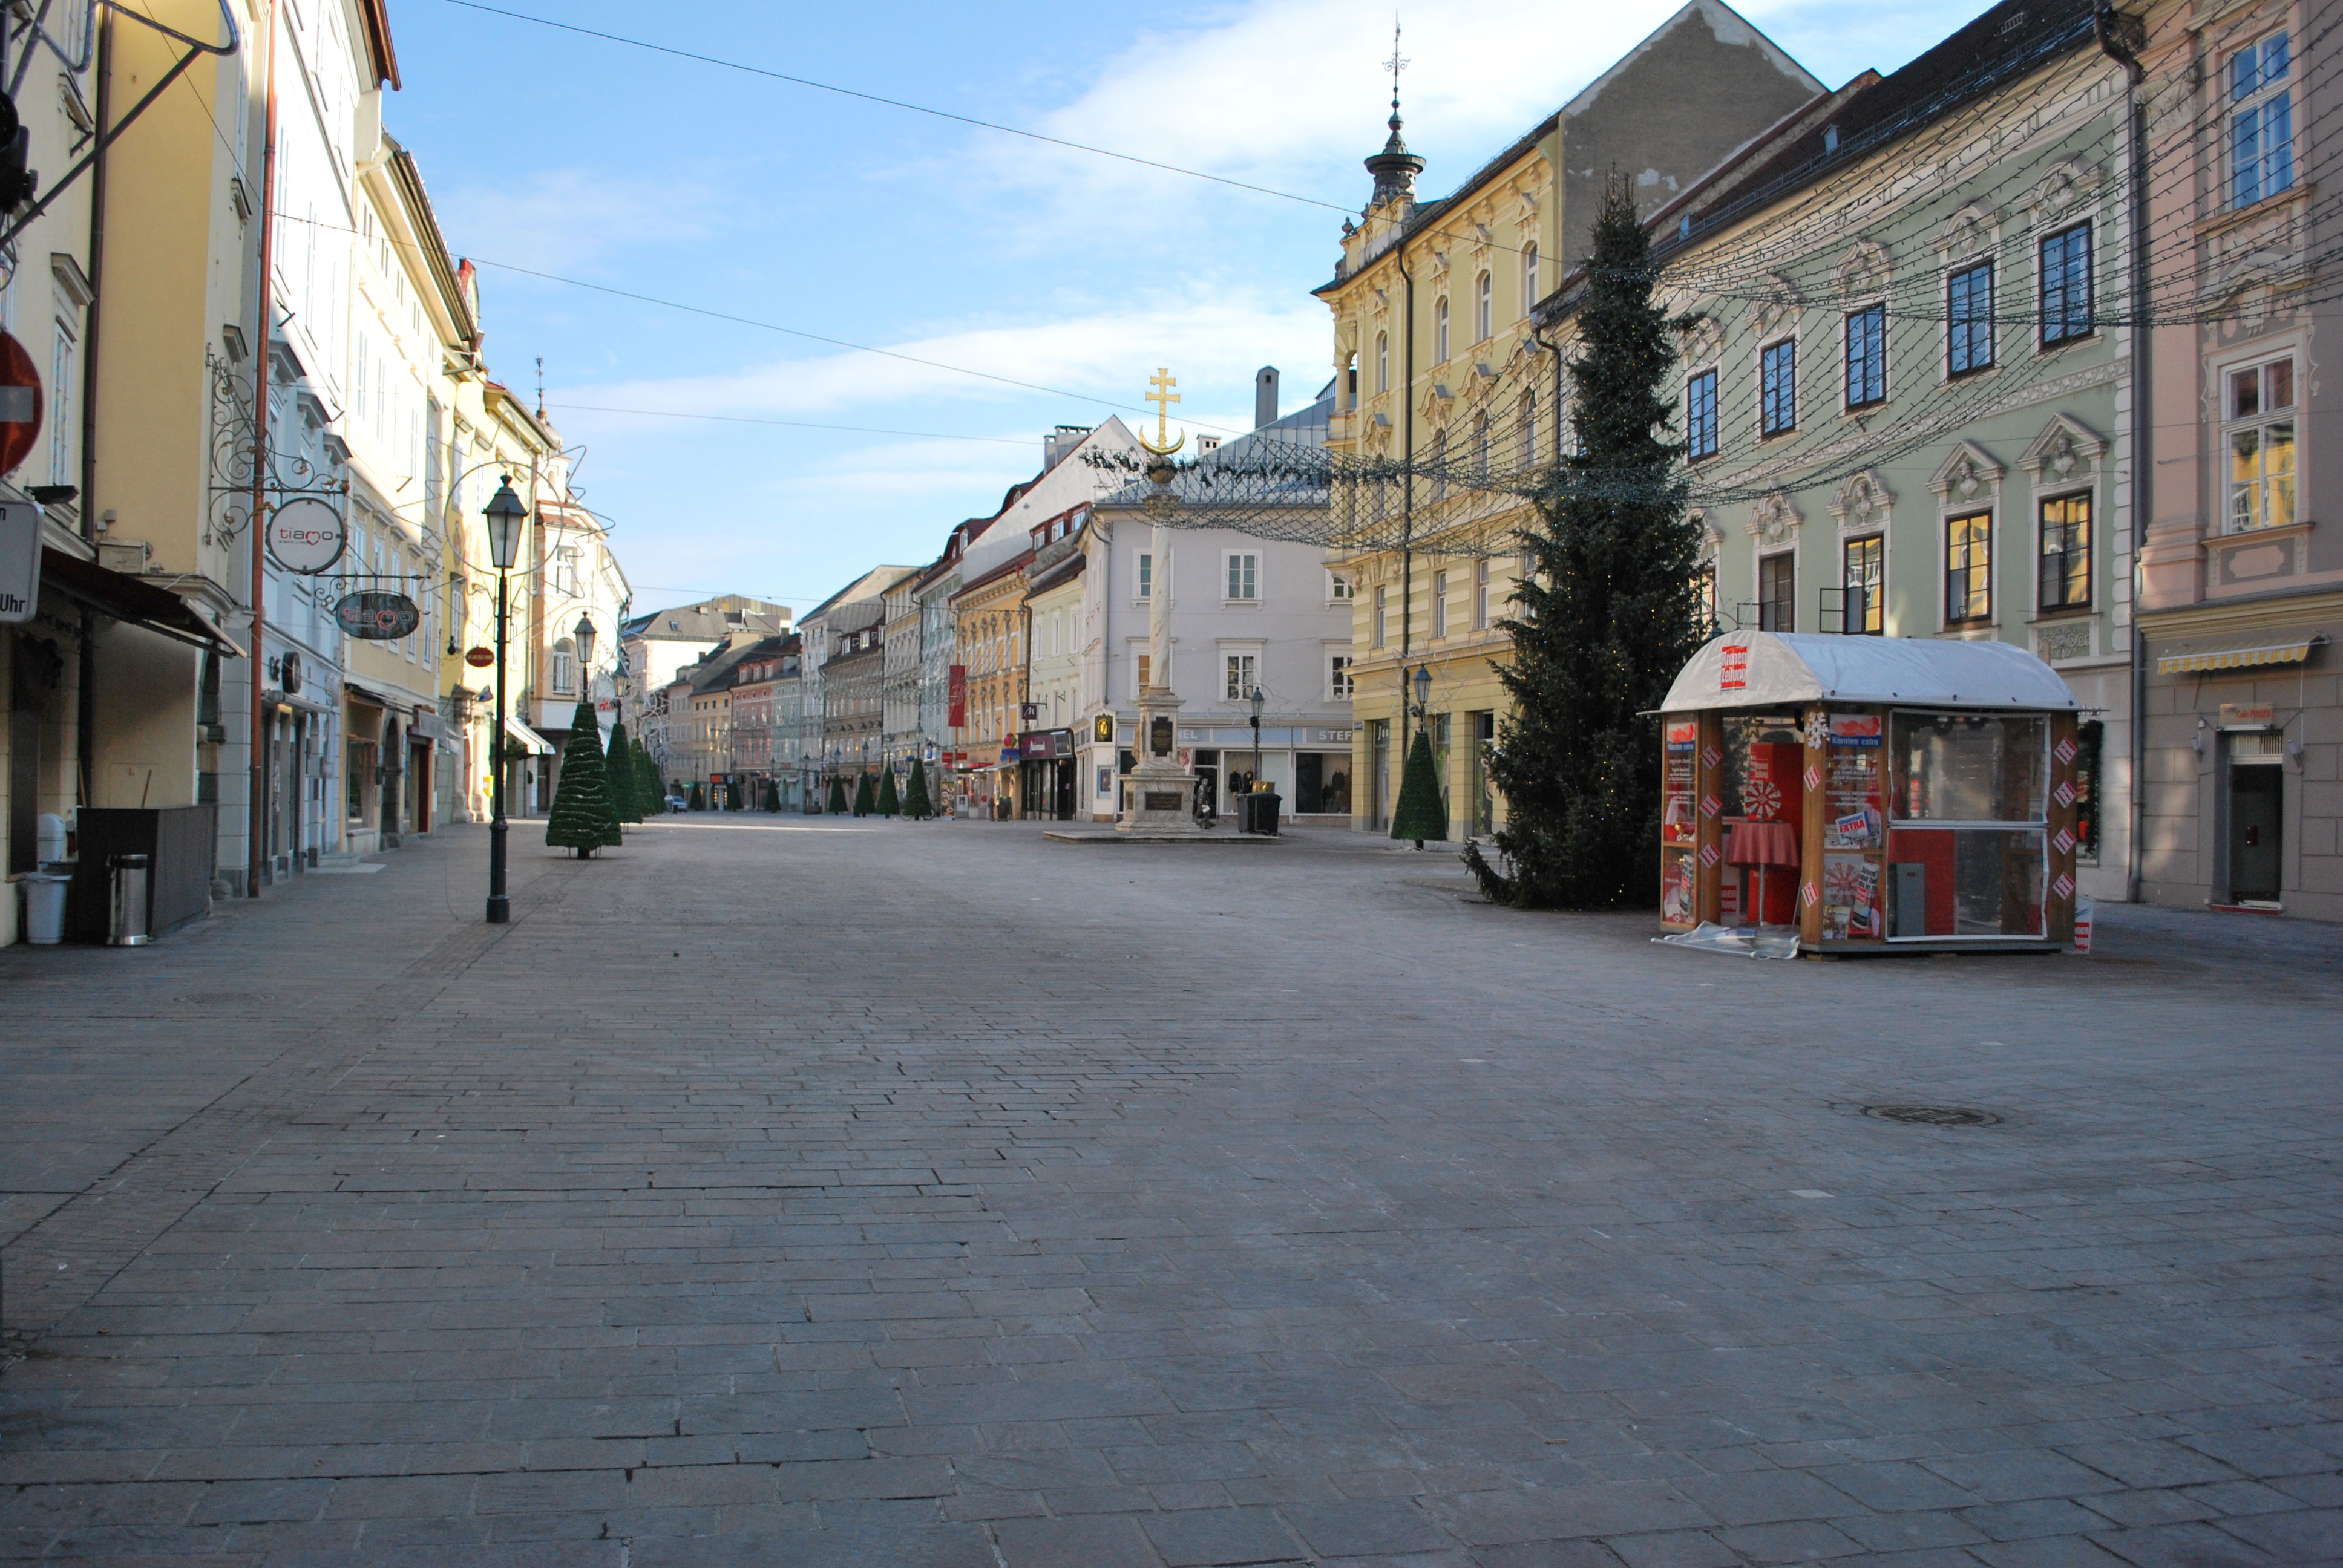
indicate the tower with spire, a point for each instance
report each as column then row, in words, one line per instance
column 1394, row 167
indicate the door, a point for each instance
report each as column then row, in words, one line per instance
column 1379, row 773
column 2256, row 795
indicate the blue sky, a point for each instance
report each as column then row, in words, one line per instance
column 799, row 208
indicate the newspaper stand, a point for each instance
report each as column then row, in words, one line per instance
column 1870, row 794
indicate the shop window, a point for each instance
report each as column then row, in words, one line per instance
column 2261, row 122
column 1968, row 568
column 1778, row 389
column 1862, row 575
column 2260, row 417
column 1968, row 313
column 2067, row 285
column 1866, row 356
column 356, row 777
column 1700, row 415
column 1321, row 783
column 2090, row 736
column 2065, row 566
column 1777, row 592
column 1966, row 847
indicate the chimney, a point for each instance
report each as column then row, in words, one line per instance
column 1264, row 396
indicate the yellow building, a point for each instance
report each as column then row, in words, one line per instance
column 990, row 610
column 1442, row 383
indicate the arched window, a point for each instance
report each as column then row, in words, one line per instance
column 1483, row 311
column 1480, row 443
column 1529, row 279
column 564, row 667
column 1440, row 462
column 1527, row 455
column 1382, row 361
column 1350, row 381
column 1440, row 331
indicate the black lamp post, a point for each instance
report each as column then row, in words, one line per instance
column 1256, row 735
column 584, row 633
column 1422, row 692
column 506, row 515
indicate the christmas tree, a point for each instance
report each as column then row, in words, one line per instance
column 732, row 794
column 838, row 795
column 583, row 818
column 916, row 805
column 772, row 795
column 699, row 802
column 863, row 802
column 620, row 764
column 1420, row 815
column 1607, row 617
column 650, row 793
column 889, row 802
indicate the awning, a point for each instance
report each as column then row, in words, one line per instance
column 369, row 695
column 527, row 740
column 132, row 599
column 2239, row 652
column 1767, row 670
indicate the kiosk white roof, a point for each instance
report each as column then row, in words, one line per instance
column 1769, row 669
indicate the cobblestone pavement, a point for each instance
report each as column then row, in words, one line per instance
column 880, row 1195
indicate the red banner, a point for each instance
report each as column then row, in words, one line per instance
column 959, row 696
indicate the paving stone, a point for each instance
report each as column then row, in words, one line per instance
column 1210, row 1537
column 1367, row 1527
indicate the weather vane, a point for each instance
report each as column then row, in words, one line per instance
column 1163, row 398
column 1396, row 64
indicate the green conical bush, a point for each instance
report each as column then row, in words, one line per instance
column 772, row 795
column 915, row 804
column 888, row 802
column 864, row 802
column 649, row 790
column 1420, row 814
column 698, row 800
column 732, row 794
column 838, row 795
column 583, row 818
column 626, row 778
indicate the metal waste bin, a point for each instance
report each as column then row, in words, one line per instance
column 126, row 927
column 1259, row 812
column 45, row 902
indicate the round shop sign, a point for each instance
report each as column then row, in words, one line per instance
column 377, row 617
column 479, row 658
column 305, row 535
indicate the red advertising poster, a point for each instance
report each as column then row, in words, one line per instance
column 959, row 696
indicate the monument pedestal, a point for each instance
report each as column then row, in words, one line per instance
column 1163, row 793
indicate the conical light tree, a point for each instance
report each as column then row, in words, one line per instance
column 915, row 804
column 650, row 791
column 888, row 802
column 864, row 804
column 1420, row 815
column 620, row 764
column 838, row 795
column 583, row 819
column 1607, row 617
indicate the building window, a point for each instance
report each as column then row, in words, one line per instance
column 1778, row 389
column 2261, row 122
column 1968, row 568
column 1340, row 590
column 1777, row 592
column 1528, row 421
column 1382, row 361
column 1244, row 576
column 564, row 667
column 1968, row 312
column 1529, row 279
column 565, row 569
column 60, row 427
column 1484, row 310
column 1440, row 467
column 1479, row 596
column 1866, row 356
column 1338, row 677
column 1382, row 597
column 1481, row 447
column 2260, row 399
column 2067, row 285
column 1440, row 331
column 1146, row 671
column 1704, row 588
column 1700, row 415
column 1238, row 671
column 1862, row 575
column 1146, row 574
column 1440, row 603
column 2066, row 552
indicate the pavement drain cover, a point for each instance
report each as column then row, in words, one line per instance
column 1933, row 1115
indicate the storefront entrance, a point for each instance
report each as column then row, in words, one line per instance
column 2257, row 818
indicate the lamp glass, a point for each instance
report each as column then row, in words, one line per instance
column 584, row 632
column 506, row 514
column 1422, row 684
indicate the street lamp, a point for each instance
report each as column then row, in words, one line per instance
column 1256, row 737
column 585, row 635
column 1422, row 690
column 506, row 515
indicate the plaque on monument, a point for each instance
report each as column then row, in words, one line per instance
column 1159, row 736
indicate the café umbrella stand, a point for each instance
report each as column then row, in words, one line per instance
column 1851, row 795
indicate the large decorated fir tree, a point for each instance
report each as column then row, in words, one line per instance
column 888, row 802
column 915, row 804
column 1607, row 617
column 583, row 818
column 1420, row 813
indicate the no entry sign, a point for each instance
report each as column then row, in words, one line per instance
column 20, row 403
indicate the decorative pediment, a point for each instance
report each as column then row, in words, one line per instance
column 1712, row 538
column 1701, row 340
column 1774, row 520
column 1777, row 300
column 1975, row 227
column 1435, row 404
column 2069, row 183
column 1966, row 473
column 2066, row 450
column 1862, row 502
column 1866, row 269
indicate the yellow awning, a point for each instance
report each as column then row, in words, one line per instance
column 2239, row 652
column 527, row 740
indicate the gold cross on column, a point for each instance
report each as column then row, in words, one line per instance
column 1163, row 397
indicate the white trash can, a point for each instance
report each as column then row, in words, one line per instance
column 45, row 903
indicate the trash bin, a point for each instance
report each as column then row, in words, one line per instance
column 1257, row 812
column 126, row 928
column 45, row 902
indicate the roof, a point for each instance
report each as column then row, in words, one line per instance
column 715, row 672
column 1064, row 569
column 1282, row 463
column 707, row 622
column 1014, row 563
column 380, row 55
column 870, row 585
column 1066, row 483
column 1770, row 668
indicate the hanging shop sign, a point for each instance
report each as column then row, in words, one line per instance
column 289, row 673
column 1103, row 729
column 307, row 535
column 479, row 658
column 20, row 403
column 375, row 616
column 20, row 562
column 958, row 688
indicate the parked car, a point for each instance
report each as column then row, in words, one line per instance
column 677, row 803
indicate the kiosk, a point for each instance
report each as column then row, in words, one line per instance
column 1870, row 794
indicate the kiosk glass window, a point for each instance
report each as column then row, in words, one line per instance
column 1967, row 851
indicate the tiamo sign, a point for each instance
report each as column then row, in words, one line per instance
column 1733, row 667
column 305, row 535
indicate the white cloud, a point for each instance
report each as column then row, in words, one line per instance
column 559, row 220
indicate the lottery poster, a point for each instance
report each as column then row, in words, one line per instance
column 1677, row 891
column 1850, row 896
column 1852, row 818
column 1677, row 822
